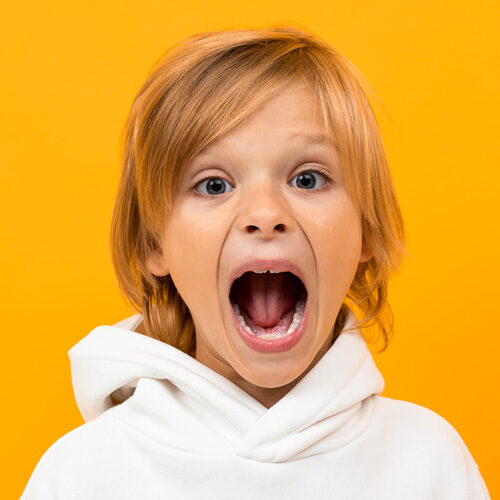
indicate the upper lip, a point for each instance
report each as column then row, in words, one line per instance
column 281, row 265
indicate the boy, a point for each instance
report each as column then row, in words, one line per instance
column 255, row 203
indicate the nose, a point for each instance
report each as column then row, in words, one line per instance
column 265, row 212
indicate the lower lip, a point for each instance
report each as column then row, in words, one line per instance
column 275, row 345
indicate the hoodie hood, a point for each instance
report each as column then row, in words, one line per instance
column 178, row 401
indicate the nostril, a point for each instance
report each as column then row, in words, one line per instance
column 279, row 227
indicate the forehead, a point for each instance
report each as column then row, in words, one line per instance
column 275, row 138
column 292, row 117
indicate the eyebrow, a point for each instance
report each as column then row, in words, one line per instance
column 313, row 139
column 321, row 139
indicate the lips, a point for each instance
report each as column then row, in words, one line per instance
column 277, row 265
column 274, row 341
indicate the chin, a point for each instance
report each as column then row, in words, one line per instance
column 273, row 374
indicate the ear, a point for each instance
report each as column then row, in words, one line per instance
column 156, row 263
column 366, row 252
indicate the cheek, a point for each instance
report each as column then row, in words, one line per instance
column 192, row 247
column 335, row 234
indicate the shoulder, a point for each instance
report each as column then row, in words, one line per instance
column 418, row 416
column 92, row 437
column 422, row 436
column 413, row 422
column 66, row 464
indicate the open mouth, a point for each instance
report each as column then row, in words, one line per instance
column 268, row 305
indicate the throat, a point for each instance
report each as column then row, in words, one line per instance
column 265, row 299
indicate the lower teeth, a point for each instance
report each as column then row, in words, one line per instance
column 297, row 316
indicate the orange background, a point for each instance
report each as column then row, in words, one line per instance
column 71, row 70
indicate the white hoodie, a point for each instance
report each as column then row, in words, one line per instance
column 161, row 425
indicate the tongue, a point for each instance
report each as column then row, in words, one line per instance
column 266, row 297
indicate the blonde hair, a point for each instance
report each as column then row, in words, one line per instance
column 198, row 90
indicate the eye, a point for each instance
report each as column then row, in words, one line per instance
column 306, row 180
column 214, row 187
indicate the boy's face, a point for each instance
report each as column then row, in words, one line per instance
column 263, row 210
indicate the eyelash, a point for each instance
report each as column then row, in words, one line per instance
column 329, row 181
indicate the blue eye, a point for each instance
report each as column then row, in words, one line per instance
column 215, row 186
column 307, row 180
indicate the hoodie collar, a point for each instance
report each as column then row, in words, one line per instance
column 177, row 400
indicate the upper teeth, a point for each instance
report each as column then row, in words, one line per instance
column 266, row 271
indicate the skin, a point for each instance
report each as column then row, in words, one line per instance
column 265, row 211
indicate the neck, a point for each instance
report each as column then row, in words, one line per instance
column 266, row 396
